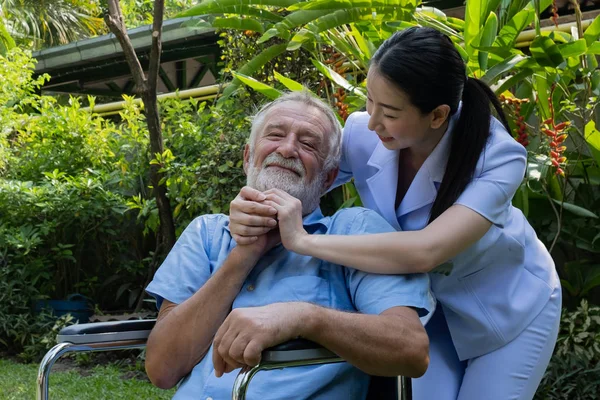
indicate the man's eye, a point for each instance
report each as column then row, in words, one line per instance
column 308, row 144
column 389, row 116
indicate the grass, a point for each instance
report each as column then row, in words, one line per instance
column 18, row 381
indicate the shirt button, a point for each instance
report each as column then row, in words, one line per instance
column 250, row 288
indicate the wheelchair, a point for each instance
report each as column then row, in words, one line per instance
column 121, row 335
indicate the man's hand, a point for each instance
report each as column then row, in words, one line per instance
column 250, row 217
column 261, row 245
column 248, row 331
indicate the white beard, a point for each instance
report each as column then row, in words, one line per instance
column 276, row 178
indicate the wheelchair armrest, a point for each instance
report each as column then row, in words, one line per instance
column 297, row 350
column 112, row 331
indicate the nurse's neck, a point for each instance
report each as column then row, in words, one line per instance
column 417, row 154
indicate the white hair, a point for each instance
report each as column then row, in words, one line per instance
column 305, row 97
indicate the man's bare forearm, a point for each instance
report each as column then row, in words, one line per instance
column 183, row 334
column 390, row 344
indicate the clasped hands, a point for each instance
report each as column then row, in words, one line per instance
column 253, row 213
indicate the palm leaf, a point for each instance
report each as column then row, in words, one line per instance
column 232, row 6
column 6, row 41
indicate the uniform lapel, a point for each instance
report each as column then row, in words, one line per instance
column 384, row 182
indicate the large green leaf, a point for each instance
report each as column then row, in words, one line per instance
column 514, row 80
column 592, row 279
column 338, row 79
column 511, row 30
column 244, row 24
column 515, row 7
column 593, row 31
column 545, row 52
column 290, row 22
column 594, row 48
column 487, row 38
column 494, row 73
column 344, row 4
column 573, row 49
column 473, row 23
column 289, row 83
column 592, row 137
column 540, row 84
column 577, row 210
column 252, row 66
column 319, row 21
column 260, row 87
column 232, row 6
column 243, row 11
column 492, row 6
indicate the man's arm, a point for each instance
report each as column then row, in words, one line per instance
column 390, row 344
column 183, row 333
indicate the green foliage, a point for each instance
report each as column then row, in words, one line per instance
column 77, row 208
column 37, row 24
column 575, row 367
column 17, row 382
column 204, row 168
column 42, row 335
column 6, row 41
column 140, row 12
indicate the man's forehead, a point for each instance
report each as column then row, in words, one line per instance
column 287, row 114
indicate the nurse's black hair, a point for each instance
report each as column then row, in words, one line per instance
column 425, row 65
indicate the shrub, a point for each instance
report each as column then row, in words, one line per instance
column 574, row 370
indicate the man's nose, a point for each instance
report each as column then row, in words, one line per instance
column 288, row 147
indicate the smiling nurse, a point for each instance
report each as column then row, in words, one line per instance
column 430, row 158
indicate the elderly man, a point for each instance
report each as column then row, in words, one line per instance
column 221, row 304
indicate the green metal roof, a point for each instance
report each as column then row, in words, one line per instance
column 97, row 65
column 107, row 46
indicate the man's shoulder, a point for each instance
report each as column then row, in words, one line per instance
column 357, row 220
column 208, row 225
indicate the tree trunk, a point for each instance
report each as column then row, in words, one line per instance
column 146, row 88
column 167, row 227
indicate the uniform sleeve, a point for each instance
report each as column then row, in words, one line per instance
column 501, row 171
column 187, row 267
column 375, row 293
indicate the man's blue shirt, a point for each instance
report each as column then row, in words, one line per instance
column 283, row 276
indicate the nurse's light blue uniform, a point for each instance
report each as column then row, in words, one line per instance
column 494, row 333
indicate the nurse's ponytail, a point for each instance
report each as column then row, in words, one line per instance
column 425, row 65
column 468, row 142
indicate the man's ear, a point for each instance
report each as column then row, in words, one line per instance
column 246, row 158
column 331, row 175
column 439, row 115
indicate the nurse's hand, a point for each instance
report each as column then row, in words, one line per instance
column 289, row 216
column 250, row 216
